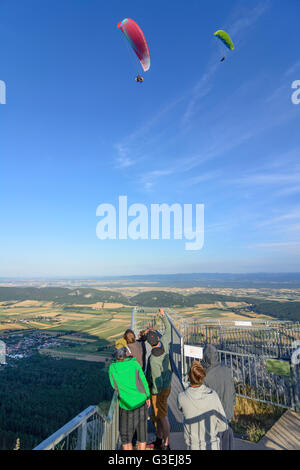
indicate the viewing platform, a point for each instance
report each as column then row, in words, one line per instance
column 252, row 373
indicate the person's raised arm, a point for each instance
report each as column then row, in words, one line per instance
column 166, row 337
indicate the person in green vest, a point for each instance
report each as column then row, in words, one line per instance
column 128, row 380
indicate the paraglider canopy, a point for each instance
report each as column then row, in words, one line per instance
column 137, row 40
column 225, row 38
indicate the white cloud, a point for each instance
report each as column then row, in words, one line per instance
column 247, row 17
column 123, row 160
column 293, row 69
column 277, row 245
column 290, row 215
column 204, row 176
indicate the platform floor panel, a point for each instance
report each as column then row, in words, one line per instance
column 285, row 434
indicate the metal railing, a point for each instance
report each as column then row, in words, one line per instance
column 264, row 338
column 252, row 376
column 90, row 430
column 254, row 380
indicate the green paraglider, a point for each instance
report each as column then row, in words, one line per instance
column 225, row 38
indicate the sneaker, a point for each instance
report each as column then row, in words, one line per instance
column 157, row 444
column 166, row 448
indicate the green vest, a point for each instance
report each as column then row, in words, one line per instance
column 129, row 381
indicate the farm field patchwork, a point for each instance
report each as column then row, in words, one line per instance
column 87, row 330
column 91, row 329
column 219, row 310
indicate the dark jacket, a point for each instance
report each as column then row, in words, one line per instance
column 159, row 368
column 218, row 378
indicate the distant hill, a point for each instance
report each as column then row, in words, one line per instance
column 204, row 298
column 173, row 299
column 91, row 296
column 85, row 296
column 32, row 293
column 281, row 310
column 159, row 299
column 61, row 295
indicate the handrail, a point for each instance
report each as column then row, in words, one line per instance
column 80, row 423
column 51, row 441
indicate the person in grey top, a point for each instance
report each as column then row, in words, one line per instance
column 204, row 416
column 134, row 347
column 219, row 378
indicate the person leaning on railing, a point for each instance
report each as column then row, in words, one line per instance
column 218, row 378
column 127, row 378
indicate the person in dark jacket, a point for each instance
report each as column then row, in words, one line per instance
column 219, row 378
column 159, row 376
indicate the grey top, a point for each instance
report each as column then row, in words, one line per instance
column 136, row 350
column 204, row 418
column 219, row 379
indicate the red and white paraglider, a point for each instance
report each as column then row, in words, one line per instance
column 137, row 41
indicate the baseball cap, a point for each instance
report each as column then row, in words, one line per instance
column 152, row 338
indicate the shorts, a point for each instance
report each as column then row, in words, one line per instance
column 160, row 404
column 131, row 421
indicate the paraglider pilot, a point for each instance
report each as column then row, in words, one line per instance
column 139, row 78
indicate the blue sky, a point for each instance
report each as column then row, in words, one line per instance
column 77, row 131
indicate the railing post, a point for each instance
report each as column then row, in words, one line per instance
column 295, row 376
column 182, row 358
column 81, row 436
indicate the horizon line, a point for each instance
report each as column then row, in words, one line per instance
column 93, row 277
